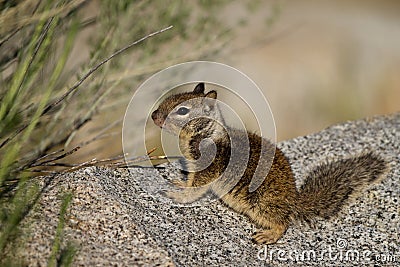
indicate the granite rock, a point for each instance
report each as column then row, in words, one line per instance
column 115, row 220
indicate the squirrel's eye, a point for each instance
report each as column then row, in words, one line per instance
column 182, row 111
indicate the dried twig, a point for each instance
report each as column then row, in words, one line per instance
column 151, row 150
column 8, row 36
column 120, row 161
column 43, row 163
column 50, row 154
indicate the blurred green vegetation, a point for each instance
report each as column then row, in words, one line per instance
column 49, row 90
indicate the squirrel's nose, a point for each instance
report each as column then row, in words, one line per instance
column 157, row 118
column 154, row 115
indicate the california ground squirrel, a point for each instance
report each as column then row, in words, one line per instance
column 276, row 202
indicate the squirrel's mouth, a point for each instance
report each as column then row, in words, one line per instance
column 159, row 123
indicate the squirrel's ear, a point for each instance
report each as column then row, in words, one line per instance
column 212, row 94
column 209, row 101
column 199, row 89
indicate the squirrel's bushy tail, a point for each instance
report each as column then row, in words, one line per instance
column 328, row 186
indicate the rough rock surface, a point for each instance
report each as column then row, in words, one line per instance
column 113, row 221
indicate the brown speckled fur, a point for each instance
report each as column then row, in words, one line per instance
column 276, row 202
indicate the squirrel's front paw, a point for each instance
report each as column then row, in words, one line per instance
column 269, row 236
column 265, row 237
column 181, row 196
column 186, row 195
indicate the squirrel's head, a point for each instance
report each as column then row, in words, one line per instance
column 191, row 112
